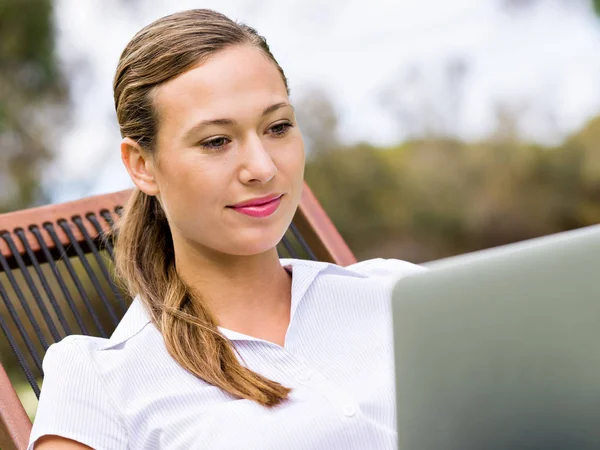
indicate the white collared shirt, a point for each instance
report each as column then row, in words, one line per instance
column 127, row 392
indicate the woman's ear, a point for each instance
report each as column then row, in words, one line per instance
column 140, row 166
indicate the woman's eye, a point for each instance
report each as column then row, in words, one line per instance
column 215, row 143
column 280, row 129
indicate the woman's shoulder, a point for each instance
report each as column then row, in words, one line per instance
column 381, row 267
column 89, row 358
column 369, row 267
column 71, row 352
column 380, row 270
column 131, row 324
column 377, row 267
column 73, row 356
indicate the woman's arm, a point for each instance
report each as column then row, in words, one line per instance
column 53, row 442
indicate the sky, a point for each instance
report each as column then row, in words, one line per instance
column 392, row 69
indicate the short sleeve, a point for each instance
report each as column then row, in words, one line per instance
column 74, row 402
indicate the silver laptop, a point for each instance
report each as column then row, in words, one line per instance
column 500, row 349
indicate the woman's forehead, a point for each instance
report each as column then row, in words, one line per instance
column 236, row 78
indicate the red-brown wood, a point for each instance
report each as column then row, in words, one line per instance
column 320, row 233
column 15, row 426
column 51, row 213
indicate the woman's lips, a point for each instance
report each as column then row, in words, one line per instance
column 259, row 210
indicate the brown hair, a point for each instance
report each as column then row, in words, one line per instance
column 144, row 253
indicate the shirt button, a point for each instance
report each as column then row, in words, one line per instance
column 306, row 375
column 349, row 410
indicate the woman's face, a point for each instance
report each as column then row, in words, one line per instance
column 227, row 136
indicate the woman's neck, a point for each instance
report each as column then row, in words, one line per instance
column 248, row 294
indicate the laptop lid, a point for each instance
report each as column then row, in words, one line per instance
column 500, row 349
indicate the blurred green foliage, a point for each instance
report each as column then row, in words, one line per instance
column 32, row 92
column 27, row 45
column 597, row 6
column 432, row 198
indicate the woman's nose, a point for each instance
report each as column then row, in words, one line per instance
column 257, row 165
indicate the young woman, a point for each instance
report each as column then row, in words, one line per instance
column 225, row 346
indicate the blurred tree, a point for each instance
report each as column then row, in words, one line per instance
column 521, row 4
column 318, row 120
column 436, row 197
column 518, row 4
column 426, row 102
column 32, row 98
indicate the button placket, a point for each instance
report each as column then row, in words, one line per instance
column 317, row 382
column 349, row 410
column 341, row 401
column 305, row 376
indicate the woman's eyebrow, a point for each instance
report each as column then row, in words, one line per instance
column 269, row 109
column 230, row 122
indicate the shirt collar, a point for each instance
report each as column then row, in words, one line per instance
column 304, row 273
column 134, row 320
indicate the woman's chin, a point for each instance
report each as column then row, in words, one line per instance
column 253, row 250
column 256, row 246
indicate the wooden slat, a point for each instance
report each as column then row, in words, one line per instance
column 15, row 426
column 320, row 233
column 51, row 213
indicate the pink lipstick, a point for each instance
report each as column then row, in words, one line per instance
column 258, row 207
